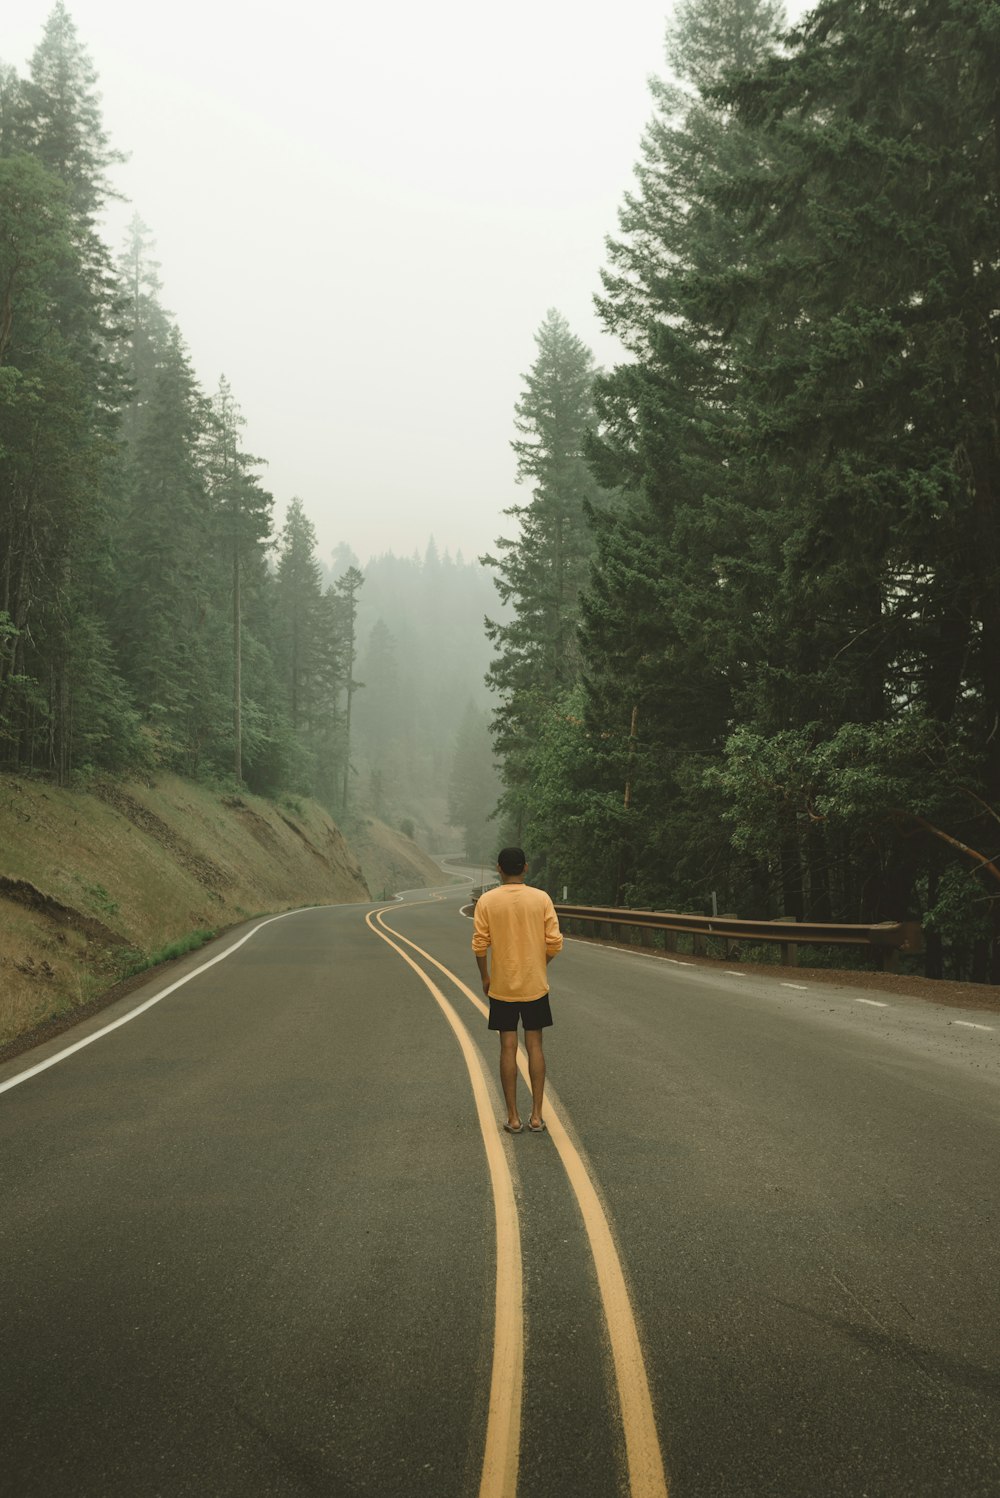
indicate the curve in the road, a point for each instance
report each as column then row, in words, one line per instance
column 646, row 1475
column 503, row 1426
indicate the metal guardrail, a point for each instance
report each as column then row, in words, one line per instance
column 887, row 939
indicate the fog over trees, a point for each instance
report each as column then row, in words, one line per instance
column 742, row 636
column 422, row 656
column 151, row 614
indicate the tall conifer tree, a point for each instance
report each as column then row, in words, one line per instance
column 243, row 518
column 64, row 390
column 658, row 626
column 297, row 606
column 540, row 573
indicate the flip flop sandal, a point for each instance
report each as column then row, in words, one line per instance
column 511, row 1130
column 536, row 1129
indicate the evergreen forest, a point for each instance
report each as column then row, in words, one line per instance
column 153, row 613
column 742, row 639
column 753, row 653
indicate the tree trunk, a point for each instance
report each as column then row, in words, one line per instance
column 980, row 959
column 347, row 716
column 933, row 947
column 791, row 877
column 819, row 874
column 295, row 669
column 347, row 740
column 237, row 668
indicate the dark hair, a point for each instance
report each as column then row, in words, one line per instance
column 511, row 860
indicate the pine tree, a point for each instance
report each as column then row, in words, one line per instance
column 426, row 612
column 383, row 725
column 710, row 40
column 876, row 369
column 243, row 517
column 166, row 587
column 298, row 594
column 657, row 624
column 12, row 122
column 145, row 326
column 541, row 572
column 61, row 391
column 806, row 438
column 60, row 125
column 62, row 115
column 345, row 594
column 473, row 786
column 57, row 392
column 327, row 737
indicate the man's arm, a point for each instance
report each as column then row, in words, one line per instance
column 553, row 936
column 481, row 943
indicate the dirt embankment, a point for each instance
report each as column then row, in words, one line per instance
column 92, row 879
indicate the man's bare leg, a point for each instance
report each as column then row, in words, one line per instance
column 536, row 1071
column 508, row 1075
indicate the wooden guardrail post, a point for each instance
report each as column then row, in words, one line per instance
column 790, row 957
column 913, row 941
column 732, row 949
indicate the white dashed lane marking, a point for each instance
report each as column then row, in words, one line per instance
column 969, row 1025
column 875, row 1003
column 800, row 986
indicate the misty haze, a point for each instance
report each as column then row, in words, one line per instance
column 500, row 750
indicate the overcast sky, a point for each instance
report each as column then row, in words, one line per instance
column 362, row 213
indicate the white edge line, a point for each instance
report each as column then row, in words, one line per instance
column 875, row 1003
column 32, row 1071
column 969, row 1025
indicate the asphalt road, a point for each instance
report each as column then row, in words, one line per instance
column 248, row 1242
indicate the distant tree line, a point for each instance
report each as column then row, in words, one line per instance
column 755, row 646
column 421, row 745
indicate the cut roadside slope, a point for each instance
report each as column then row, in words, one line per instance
column 93, row 880
column 391, row 861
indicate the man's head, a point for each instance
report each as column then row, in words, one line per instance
column 511, row 861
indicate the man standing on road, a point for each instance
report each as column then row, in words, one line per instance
column 519, row 923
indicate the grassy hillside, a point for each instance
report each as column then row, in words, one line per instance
column 93, row 883
column 390, row 860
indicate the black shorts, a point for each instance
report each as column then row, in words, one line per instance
column 535, row 1014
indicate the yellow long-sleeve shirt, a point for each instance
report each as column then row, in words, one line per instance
column 519, row 923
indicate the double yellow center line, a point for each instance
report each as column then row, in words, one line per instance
column 503, row 1424
column 644, row 1460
